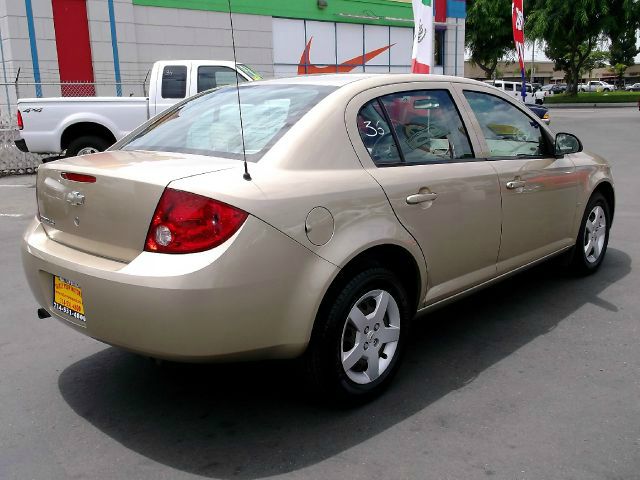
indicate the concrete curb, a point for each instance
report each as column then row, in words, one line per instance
column 590, row 105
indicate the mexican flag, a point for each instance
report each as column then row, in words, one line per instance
column 422, row 56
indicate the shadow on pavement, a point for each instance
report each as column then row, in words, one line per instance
column 250, row 421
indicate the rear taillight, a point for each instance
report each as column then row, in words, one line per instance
column 78, row 177
column 188, row 223
column 20, row 123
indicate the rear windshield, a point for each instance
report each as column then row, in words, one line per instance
column 209, row 124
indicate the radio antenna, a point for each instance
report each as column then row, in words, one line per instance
column 246, row 175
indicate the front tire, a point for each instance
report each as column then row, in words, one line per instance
column 86, row 145
column 593, row 237
column 359, row 337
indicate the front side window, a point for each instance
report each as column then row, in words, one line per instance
column 508, row 131
column 212, row 76
column 209, row 124
column 428, row 126
column 174, row 81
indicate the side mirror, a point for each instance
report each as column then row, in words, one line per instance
column 567, row 143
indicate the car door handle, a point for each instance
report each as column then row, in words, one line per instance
column 421, row 198
column 515, row 184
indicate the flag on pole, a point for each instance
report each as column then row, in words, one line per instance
column 517, row 21
column 422, row 56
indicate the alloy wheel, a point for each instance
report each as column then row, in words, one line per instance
column 370, row 336
column 595, row 234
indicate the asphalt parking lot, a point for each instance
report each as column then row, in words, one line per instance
column 536, row 378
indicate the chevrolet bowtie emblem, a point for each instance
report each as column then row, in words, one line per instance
column 75, row 198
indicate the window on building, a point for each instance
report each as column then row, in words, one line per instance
column 438, row 45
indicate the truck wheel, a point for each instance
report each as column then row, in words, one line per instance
column 86, row 145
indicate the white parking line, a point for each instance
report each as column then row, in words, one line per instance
column 16, row 186
column 14, row 215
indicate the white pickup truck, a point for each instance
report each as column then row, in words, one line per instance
column 82, row 125
column 595, row 86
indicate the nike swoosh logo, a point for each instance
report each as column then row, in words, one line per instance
column 305, row 66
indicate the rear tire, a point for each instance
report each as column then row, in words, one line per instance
column 593, row 237
column 87, row 144
column 359, row 338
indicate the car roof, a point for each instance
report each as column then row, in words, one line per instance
column 366, row 80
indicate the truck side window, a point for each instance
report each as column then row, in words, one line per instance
column 212, row 76
column 174, row 81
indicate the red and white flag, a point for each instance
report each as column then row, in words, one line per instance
column 517, row 21
column 422, row 56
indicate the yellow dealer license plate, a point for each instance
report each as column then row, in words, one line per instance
column 67, row 297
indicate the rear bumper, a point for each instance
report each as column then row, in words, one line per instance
column 22, row 145
column 242, row 300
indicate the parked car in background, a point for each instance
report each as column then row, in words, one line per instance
column 633, row 88
column 513, row 89
column 369, row 198
column 541, row 112
column 595, row 86
column 81, row 125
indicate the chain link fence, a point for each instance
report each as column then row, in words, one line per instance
column 15, row 162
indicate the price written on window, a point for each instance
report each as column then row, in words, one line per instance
column 373, row 130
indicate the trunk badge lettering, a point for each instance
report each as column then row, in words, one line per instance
column 47, row 220
column 75, row 198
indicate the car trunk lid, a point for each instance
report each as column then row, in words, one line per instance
column 105, row 204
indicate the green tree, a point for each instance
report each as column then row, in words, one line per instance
column 571, row 31
column 619, row 69
column 620, row 28
column 596, row 59
column 488, row 34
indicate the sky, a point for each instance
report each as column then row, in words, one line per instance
column 540, row 56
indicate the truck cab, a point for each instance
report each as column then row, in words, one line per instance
column 83, row 125
column 175, row 80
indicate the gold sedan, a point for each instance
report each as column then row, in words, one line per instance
column 363, row 199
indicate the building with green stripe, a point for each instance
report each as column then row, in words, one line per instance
column 116, row 41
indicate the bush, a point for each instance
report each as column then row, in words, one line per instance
column 594, row 97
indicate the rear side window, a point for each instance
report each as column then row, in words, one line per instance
column 376, row 134
column 427, row 128
column 508, row 131
column 212, row 76
column 174, row 81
